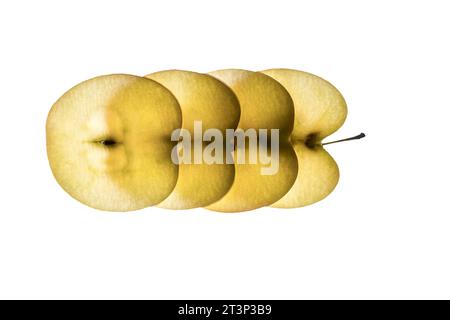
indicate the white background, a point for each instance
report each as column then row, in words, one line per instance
column 383, row 233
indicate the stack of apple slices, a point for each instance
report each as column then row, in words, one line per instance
column 109, row 139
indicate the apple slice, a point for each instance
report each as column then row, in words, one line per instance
column 206, row 99
column 265, row 104
column 320, row 110
column 108, row 142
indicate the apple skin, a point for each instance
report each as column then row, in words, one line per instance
column 320, row 110
column 108, row 142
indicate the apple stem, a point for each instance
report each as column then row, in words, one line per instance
column 359, row 136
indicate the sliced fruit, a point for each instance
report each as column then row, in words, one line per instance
column 206, row 99
column 108, row 142
column 265, row 104
column 320, row 110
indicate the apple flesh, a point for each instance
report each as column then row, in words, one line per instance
column 320, row 110
column 265, row 104
column 108, row 142
column 206, row 99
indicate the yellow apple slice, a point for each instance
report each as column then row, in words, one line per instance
column 206, row 99
column 108, row 142
column 265, row 104
column 320, row 110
